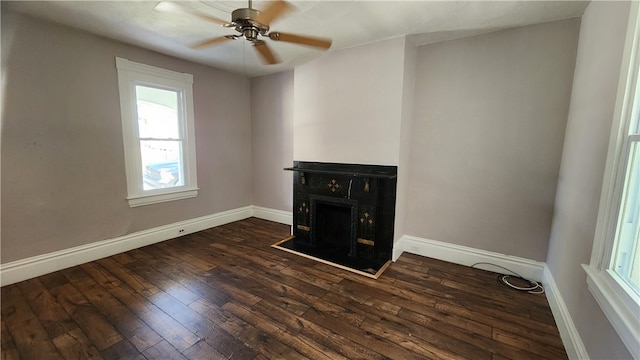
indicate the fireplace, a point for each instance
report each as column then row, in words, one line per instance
column 344, row 214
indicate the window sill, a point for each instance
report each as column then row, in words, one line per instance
column 621, row 310
column 135, row 201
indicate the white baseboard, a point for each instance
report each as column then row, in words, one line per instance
column 568, row 332
column 468, row 256
column 43, row 264
column 279, row 216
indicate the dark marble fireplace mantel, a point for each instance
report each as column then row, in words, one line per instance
column 372, row 171
column 344, row 213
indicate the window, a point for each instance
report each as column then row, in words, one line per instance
column 158, row 133
column 613, row 273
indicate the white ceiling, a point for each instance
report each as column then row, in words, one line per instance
column 347, row 23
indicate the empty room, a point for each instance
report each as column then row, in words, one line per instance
column 320, row 179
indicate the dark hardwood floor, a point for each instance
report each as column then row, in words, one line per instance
column 224, row 293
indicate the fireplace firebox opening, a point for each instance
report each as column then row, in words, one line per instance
column 334, row 224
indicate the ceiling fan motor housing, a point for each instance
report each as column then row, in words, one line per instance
column 245, row 21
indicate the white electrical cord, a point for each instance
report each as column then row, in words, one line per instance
column 503, row 278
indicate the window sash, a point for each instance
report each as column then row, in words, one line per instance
column 180, row 109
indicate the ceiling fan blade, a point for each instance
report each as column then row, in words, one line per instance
column 209, row 42
column 265, row 52
column 298, row 39
column 168, row 6
column 210, row 18
column 274, row 10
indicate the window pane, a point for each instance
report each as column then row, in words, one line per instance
column 626, row 263
column 634, row 126
column 157, row 113
column 162, row 165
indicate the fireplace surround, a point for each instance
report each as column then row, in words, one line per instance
column 344, row 213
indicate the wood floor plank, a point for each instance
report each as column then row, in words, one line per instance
column 14, row 307
column 495, row 317
column 165, row 325
column 541, row 350
column 163, row 351
column 276, row 278
column 225, row 293
column 394, row 293
column 305, row 346
column 122, row 350
column 129, row 325
column 189, row 278
column 191, row 258
column 255, row 256
column 128, row 277
column 98, row 329
column 173, row 288
column 423, row 341
column 51, row 315
column 309, row 275
column 408, row 325
column 235, row 290
column 360, row 336
column 473, row 333
column 32, row 340
column 8, row 348
column 203, row 350
column 217, row 338
column 264, row 291
column 249, row 334
column 74, row 345
column 436, row 319
column 345, row 288
column 29, row 336
column 318, row 333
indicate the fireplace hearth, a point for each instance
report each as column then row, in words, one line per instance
column 344, row 214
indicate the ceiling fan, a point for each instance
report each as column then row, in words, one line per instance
column 253, row 25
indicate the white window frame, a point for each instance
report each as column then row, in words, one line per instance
column 131, row 74
column 619, row 303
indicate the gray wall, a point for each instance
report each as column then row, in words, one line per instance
column 272, row 140
column 595, row 84
column 489, row 120
column 63, row 181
